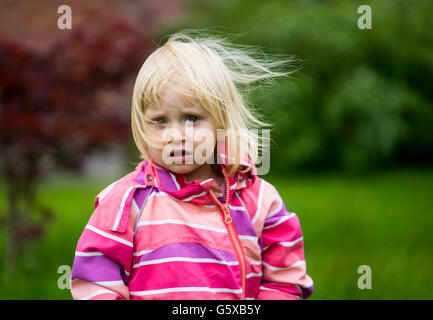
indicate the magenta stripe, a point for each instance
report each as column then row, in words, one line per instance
column 96, row 268
column 184, row 274
column 284, row 287
column 187, row 250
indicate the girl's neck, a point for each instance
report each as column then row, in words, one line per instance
column 206, row 171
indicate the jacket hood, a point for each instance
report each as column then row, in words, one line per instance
column 151, row 174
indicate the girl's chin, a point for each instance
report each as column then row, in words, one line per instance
column 181, row 168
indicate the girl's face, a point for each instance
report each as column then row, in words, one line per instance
column 181, row 126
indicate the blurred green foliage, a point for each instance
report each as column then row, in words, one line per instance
column 362, row 98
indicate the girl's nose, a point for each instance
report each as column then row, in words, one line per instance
column 174, row 135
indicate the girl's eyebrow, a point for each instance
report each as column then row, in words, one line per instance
column 188, row 109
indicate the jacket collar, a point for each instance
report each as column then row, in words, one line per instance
column 151, row 174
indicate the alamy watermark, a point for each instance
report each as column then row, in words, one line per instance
column 365, row 20
column 64, row 281
column 364, row 281
column 65, row 20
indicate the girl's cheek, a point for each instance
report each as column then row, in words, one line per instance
column 204, row 135
column 158, row 135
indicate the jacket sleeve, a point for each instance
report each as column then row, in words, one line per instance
column 283, row 262
column 103, row 258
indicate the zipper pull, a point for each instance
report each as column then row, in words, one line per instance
column 227, row 217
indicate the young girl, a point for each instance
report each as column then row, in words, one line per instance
column 193, row 221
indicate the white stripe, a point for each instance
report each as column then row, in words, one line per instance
column 144, row 263
column 286, row 244
column 194, row 196
column 234, row 186
column 107, row 190
column 140, row 253
column 245, row 163
column 94, row 294
column 243, row 204
column 122, row 205
column 309, row 284
column 174, row 180
column 162, row 193
column 252, row 238
column 237, row 208
column 251, row 275
column 247, row 298
column 276, row 210
column 109, row 236
column 134, row 204
column 296, row 264
column 183, row 289
column 156, row 184
column 110, row 283
column 174, row 221
column 257, row 263
column 291, row 243
column 265, row 288
column 204, row 181
column 280, row 221
column 259, row 203
column 88, row 254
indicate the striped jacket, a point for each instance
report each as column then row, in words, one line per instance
column 154, row 235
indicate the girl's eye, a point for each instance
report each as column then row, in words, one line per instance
column 159, row 121
column 191, row 118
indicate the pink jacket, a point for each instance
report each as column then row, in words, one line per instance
column 153, row 235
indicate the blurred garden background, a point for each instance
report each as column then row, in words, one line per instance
column 352, row 149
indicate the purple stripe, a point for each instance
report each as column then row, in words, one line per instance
column 187, row 250
column 243, row 224
column 166, row 180
column 96, row 268
column 306, row 292
column 140, row 178
column 140, row 195
column 276, row 217
column 261, row 243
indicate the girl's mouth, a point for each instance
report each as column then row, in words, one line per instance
column 179, row 153
column 180, row 156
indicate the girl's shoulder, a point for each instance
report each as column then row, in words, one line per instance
column 113, row 202
column 260, row 198
column 262, row 188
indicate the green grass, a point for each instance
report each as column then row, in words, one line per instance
column 382, row 220
column 36, row 273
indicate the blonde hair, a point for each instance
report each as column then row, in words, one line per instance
column 218, row 75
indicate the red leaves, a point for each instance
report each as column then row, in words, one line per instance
column 57, row 97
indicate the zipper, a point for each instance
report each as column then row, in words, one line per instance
column 236, row 243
